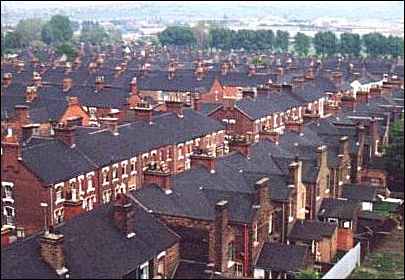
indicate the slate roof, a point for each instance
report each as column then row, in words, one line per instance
column 264, row 105
column 366, row 193
column 282, row 257
column 137, row 137
column 184, row 81
column 338, row 208
column 60, row 163
column 89, row 253
column 207, row 108
column 311, row 230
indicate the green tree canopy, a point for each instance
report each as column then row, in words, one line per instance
column 12, row 40
column 93, row 33
column 281, row 41
column 177, row 36
column 350, row 44
column 302, row 44
column 374, row 43
column 394, row 154
column 325, row 43
column 66, row 49
column 57, row 30
column 395, row 46
column 30, row 30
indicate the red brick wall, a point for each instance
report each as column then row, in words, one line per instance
column 28, row 193
column 345, row 239
column 215, row 94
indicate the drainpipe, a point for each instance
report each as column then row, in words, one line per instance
column 245, row 260
column 283, row 225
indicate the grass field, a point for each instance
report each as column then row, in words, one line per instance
column 387, row 260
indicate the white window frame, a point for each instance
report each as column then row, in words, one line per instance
column 59, row 194
column 90, row 185
column 142, row 272
column 8, row 195
column 114, row 172
column 133, row 163
column 104, row 173
column 124, row 165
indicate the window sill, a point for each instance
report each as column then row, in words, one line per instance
column 8, row 199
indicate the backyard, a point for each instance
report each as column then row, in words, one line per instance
column 387, row 260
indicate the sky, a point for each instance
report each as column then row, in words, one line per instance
column 247, row 3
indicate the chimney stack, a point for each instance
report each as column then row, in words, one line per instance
column 124, row 215
column 28, row 131
column 7, row 79
column 220, row 236
column 134, row 86
column 67, row 84
column 22, row 114
column 159, row 177
column 143, row 111
column 262, row 192
column 295, row 171
column 11, row 151
column 52, row 252
column 196, row 101
column 175, row 106
column 171, row 71
column 252, row 70
column 205, row 160
column 100, row 83
column 322, row 156
column 111, row 124
column 66, row 134
column 31, row 94
column 344, row 145
column 242, row 146
column 199, row 72
column 224, row 68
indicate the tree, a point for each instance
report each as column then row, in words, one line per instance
column 281, row 41
column 395, row 46
column 93, row 33
column 30, row 30
column 66, row 49
column 302, row 43
column 350, row 44
column 394, row 154
column 325, row 43
column 375, row 44
column 12, row 40
column 222, row 38
column 177, row 36
column 201, row 34
column 57, row 30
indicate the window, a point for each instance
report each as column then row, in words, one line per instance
column 231, row 252
column 59, row 194
column 90, row 186
column 346, row 224
column 180, row 151
column 9, row 214
column 58, row 215
column 115, row 172
column 120, row 189
column 105, row 176
column 88, row 202
column 106, row 196
column 124, row 169
column 8, row 190
column 133, row 166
